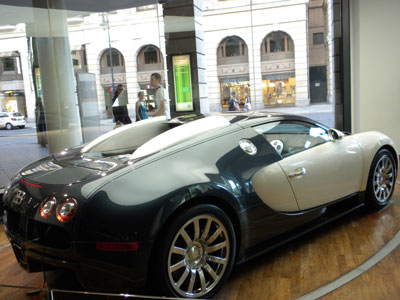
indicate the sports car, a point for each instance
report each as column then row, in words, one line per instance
column 175, row 204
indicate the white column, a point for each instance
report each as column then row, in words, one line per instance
column 63, row 124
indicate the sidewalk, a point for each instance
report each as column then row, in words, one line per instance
column 105, row 125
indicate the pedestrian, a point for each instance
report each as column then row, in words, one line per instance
column 141, row 108
column 247, row 102
column 40, row 123
column 120, row 111
column 160, row 97
column 233, row 103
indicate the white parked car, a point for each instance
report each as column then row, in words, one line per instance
column 9, row 120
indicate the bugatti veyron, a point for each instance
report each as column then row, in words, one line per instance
column 176, row 204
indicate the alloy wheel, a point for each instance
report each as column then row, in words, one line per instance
column 198, row 256
column 384, row 179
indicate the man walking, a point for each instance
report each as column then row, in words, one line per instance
column 160, row 97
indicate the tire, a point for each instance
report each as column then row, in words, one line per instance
column 9, row 126
column 184, row 266
column 381, row 180
column 21, row 127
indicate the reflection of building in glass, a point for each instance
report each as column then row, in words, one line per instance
column 318, row 51
column 278, row 69
column 233, row 69
column 279, row 89
column 240, row 85
column 112, row 61
column 149, row 60
column 12, row 97
column 277, row 54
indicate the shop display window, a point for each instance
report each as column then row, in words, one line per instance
column 242, row 89
column 279, row 90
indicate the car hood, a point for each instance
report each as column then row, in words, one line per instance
column 71, row 166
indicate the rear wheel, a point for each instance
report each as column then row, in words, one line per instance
column 22, row 127
column 9, row 126
column 381, row 180
column 197, row 253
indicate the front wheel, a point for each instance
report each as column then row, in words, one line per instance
column 197, row 253
column 381, row 180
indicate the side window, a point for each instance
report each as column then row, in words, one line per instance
column 290, row 137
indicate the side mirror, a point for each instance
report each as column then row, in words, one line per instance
column 335, row 134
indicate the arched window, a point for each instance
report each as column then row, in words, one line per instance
column 232, row 46
column 116, row 59
column 149, row 55
column 278, row 41
column 8, row 64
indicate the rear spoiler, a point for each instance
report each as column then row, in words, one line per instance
column 184, row 119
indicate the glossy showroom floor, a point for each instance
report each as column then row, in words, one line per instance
column 327, row 257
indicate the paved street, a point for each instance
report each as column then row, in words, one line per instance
column 19, row 147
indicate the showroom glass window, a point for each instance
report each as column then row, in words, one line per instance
column 291, row 137
column 264, row 50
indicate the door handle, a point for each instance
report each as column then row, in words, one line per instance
column 298, row 172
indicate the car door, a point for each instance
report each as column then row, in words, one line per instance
column 319, row 169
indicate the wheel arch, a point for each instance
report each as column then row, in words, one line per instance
column 368, row 168
column 393, row 152
column 371, row 143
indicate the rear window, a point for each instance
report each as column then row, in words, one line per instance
column 17, row 114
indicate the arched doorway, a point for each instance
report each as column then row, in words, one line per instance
column 112, row 73
column 278, row 69
column 233, row 70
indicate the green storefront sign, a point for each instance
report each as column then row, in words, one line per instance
column 183, row 83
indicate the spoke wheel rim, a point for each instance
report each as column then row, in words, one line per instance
column 384, row 179
column 198, row 256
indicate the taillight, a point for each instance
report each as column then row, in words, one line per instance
column 47, row 207
column 66, row 209
column 13, row 119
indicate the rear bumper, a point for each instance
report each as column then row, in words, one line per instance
column 92, row 274
column 35, row 258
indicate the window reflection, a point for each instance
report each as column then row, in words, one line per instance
column 272, row 55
